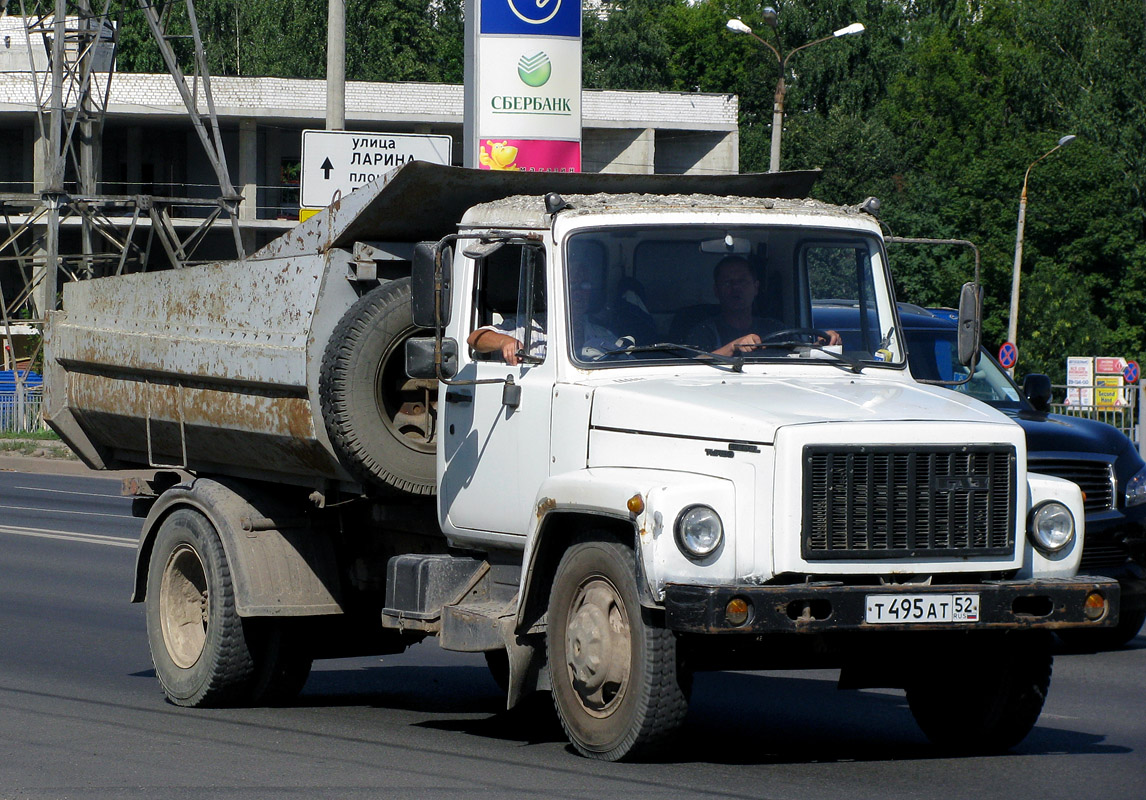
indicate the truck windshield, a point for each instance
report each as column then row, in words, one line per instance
column 725, row 295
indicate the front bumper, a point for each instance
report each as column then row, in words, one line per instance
column 815, row 608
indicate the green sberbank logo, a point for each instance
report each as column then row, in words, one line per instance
column 534, row 70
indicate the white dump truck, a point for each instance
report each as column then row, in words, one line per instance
column 582, row 424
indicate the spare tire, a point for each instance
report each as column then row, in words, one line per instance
column 382, row 424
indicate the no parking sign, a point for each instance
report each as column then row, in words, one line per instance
column 1130, row 374
column 1008, row 355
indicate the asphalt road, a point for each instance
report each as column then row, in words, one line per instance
column 82, row 716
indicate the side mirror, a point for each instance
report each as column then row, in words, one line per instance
column 421, row 362
column 424, row 288
column 1037, row 388
column 969, row 325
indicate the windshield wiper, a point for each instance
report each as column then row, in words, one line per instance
column 838, row 359
column 703, row 356
column 737, row 362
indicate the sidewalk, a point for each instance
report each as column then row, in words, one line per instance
column 52, row 457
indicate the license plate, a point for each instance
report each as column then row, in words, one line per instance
column 909, row 608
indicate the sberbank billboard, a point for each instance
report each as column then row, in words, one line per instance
column 523, row 85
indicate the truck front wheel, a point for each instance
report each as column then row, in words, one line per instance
column 197, row 641
column 982, row 694
column 615, row 676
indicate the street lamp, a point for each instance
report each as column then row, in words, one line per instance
column 770, row 19
column 1013, row 322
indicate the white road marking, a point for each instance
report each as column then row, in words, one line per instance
column 112, row 541
column 64, row 491
column 61, row 511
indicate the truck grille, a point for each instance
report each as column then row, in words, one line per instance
column 1095, row 478
column 1102, row 554
column 863, row 502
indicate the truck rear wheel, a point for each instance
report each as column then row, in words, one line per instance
column 282, row 660
column 614, row 672
column 198, row 644
column 381, row 423
column 983, row 695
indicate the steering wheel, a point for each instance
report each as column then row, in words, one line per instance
column 788, row 333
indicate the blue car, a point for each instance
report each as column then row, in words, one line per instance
column 1096, row 456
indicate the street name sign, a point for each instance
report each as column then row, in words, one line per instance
column 342, row 161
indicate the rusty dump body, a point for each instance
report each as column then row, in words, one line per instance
column 216, row 368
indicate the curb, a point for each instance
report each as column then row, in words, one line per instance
column 47, row 465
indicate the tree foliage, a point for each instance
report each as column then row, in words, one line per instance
column 391, row 40
column 938, row 109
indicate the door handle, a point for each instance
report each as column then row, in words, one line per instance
column 459, row 397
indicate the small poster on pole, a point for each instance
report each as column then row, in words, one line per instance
column 1079, row 381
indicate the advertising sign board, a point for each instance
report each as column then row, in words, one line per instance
column 1079, row 380
column 531, row 17
column 523, row 85
column 531, row 155
column 531, row 89
column 1109, row 365
column 1108, row 391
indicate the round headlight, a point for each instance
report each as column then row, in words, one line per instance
column 1052, row 527
column 699, row 531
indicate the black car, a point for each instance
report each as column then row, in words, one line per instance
column 1096, row 456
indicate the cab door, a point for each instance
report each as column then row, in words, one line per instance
column 494, row 442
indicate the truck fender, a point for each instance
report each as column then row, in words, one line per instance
column 280, row 565
column 571, row 503
column 1064, row 563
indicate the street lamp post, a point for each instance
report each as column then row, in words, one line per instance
column 771, row 18
column 1013, row 320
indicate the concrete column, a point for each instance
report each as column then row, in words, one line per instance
column 248, row 181
column 248, row 169
column 644, row 151
column 40, row 166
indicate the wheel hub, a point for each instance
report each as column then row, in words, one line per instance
column 598, row 647
column 184, row 607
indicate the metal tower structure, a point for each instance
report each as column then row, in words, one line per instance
column 78, row 38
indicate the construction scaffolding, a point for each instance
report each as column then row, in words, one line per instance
column 71, row 54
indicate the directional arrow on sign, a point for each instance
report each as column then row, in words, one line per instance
column 326, row 168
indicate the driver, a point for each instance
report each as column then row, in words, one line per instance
column 590, row 340
column 735, row 328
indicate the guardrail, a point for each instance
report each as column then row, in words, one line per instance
column 1122, row 414
column 21, row 411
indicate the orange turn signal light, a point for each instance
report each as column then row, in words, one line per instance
column 1095, row 606
column 636, row 504
column 737, row 611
